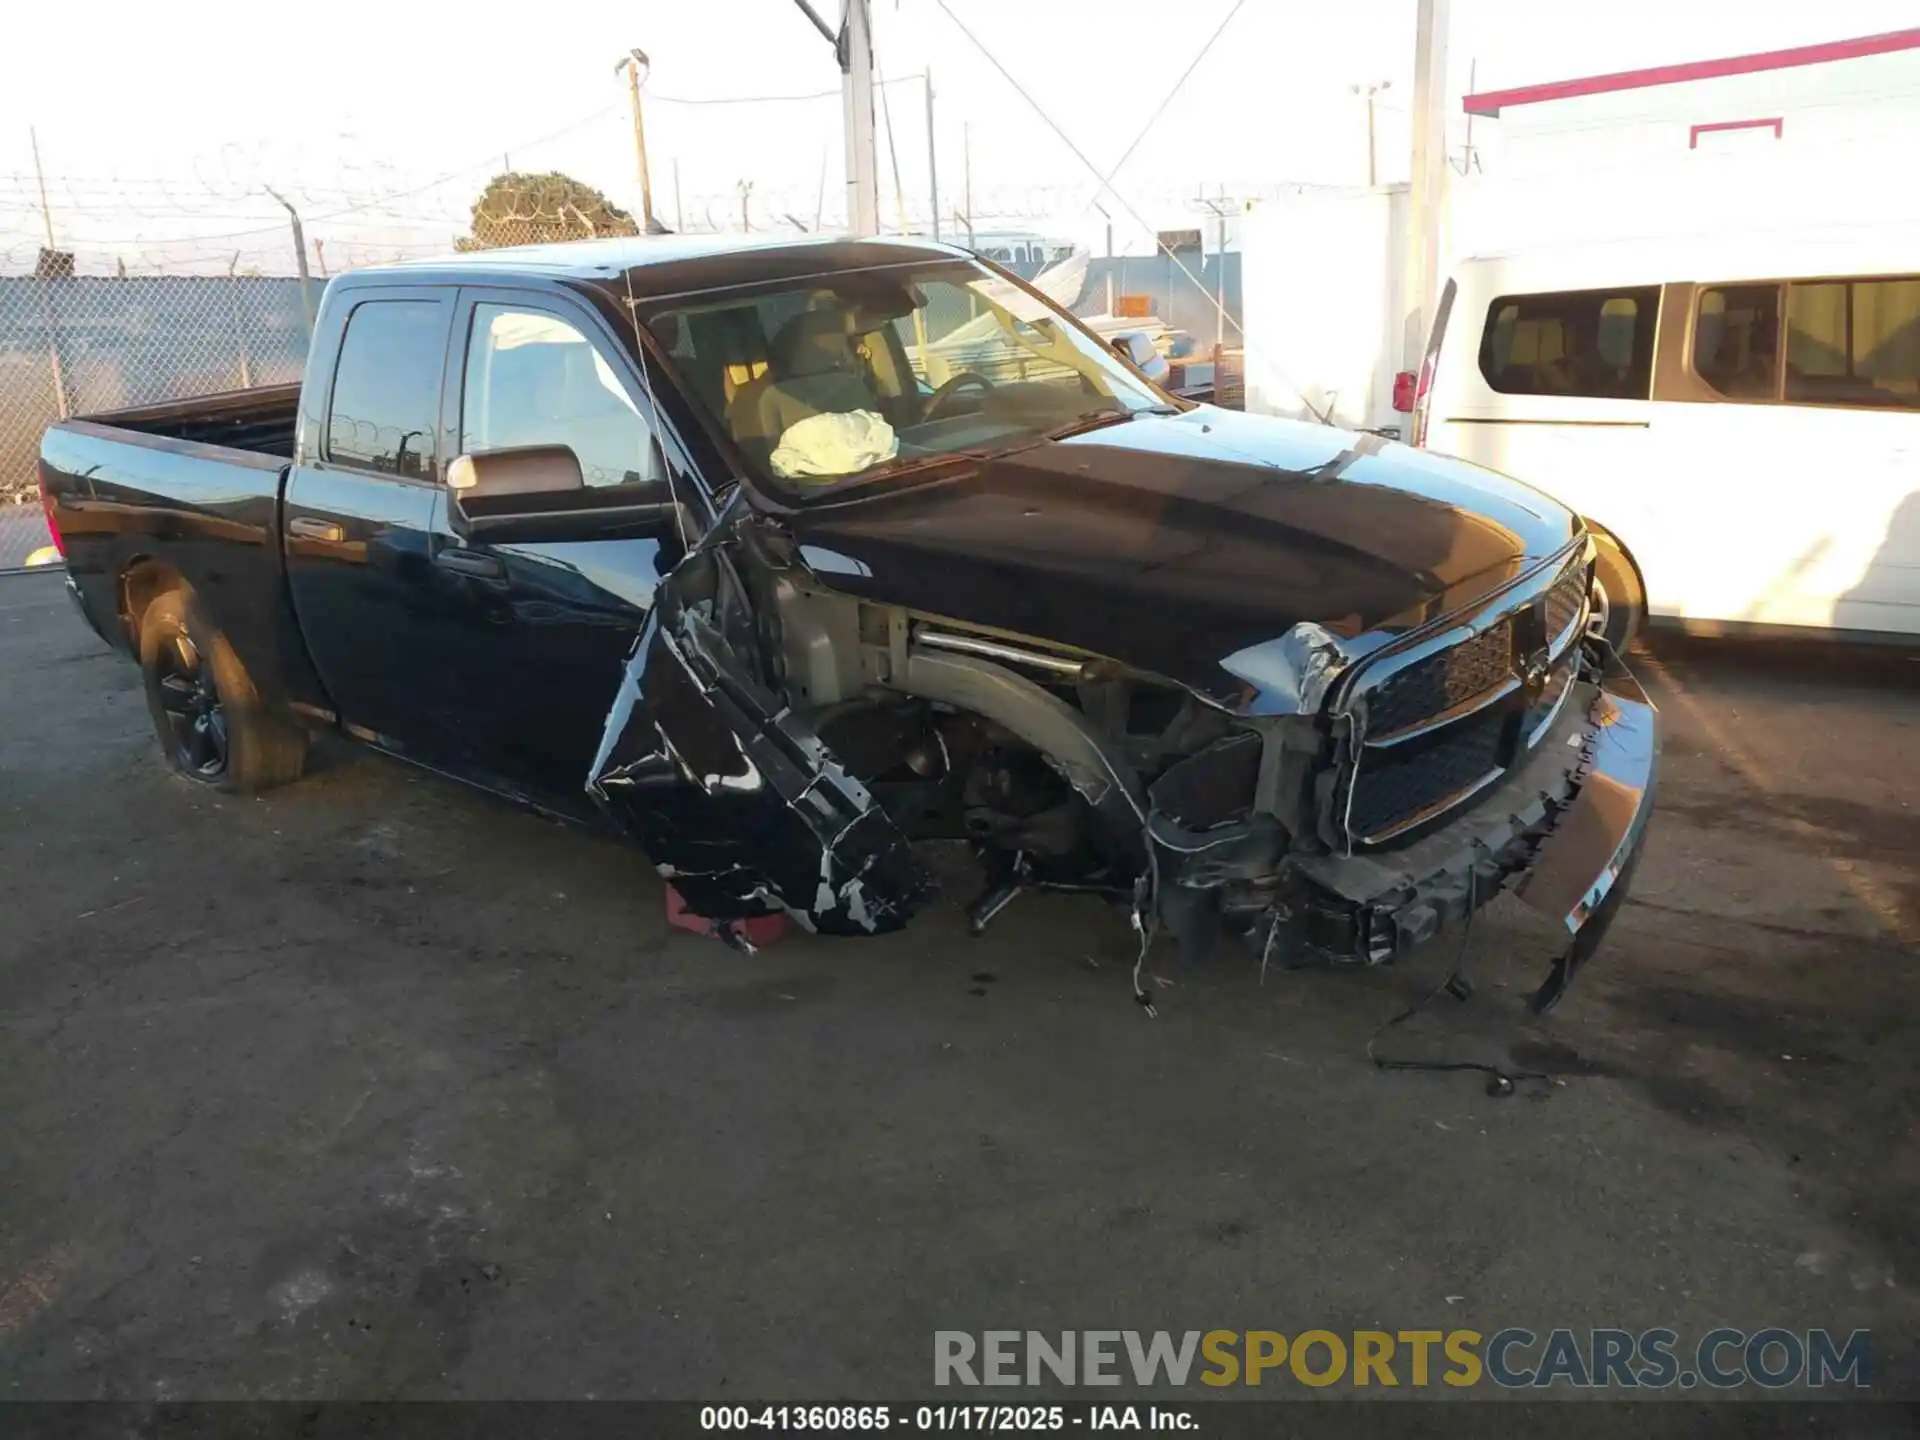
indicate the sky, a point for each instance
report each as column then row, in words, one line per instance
column 381, row 121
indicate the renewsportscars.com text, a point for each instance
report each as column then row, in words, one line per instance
column 1721, row 1359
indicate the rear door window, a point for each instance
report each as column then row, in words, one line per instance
column 386, row 387
column 1572, row 342
column 1854, row 342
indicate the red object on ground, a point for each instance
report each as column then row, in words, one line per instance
column 760, row 931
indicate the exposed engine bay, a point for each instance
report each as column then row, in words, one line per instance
column 822, row 743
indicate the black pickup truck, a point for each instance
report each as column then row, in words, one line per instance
column 787, row 560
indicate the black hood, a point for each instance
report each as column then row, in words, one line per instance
column 1170, row 542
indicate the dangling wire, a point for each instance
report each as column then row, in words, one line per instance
column 1122, row 201
column 1500, row 1082
column 1146, row 903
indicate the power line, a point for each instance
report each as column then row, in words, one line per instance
column 1124, row 204
column 766, row 99
column 1154, row 118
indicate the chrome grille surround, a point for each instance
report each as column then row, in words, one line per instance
column 1437, row 721
column 1567, row 599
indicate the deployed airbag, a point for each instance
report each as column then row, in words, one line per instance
column 835, row 444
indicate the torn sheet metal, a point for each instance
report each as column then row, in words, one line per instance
column 1289, row 675
column 736, row 800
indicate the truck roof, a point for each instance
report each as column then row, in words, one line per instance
column 654, row 266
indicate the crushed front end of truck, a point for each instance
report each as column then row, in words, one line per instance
column 1512, row 750
column 780, row 747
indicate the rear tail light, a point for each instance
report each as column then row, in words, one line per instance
column 53, row 525
column 1422, row 400
column 1403, row 391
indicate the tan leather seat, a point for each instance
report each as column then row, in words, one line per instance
column 811, row 370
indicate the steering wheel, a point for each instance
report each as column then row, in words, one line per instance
column 930, row 411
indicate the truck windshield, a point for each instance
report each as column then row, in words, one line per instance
column 844, row 378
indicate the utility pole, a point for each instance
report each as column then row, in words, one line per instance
column 966, row 175
column 856, row 87
column 1427, row 199
column 679, row 217
column 1369, row 91
column 636, row 64
column 1467, row 159
column 1218, row 209
column 853, row 49
column 933, row 164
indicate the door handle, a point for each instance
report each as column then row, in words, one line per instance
column 308, row 528
column 471, row 562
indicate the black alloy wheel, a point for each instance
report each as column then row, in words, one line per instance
column 196, row 721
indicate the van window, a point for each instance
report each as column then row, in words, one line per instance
column 1571, row 342
column 1854, row 342
column 1736, row 340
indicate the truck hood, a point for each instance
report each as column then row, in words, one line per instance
column 1171, row 543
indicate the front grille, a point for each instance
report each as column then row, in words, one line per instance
column 1435, row 685
column 1565, row 599
column 1542, row 708
column 1395, row 786
column 1439, row 724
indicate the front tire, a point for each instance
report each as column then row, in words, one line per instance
column 1619, row 596
column 209, row 718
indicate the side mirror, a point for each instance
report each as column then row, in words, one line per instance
column 489, row 476
column 537, row 492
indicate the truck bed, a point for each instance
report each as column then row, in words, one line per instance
column 264, row 420
column 186, row 490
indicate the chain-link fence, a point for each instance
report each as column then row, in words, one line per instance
column 80, row 345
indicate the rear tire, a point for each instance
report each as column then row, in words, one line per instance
column 211, row 723
column 1619, row 596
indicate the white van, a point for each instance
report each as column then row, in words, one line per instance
column 1742, row 414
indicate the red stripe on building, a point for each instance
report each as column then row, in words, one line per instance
column 1775, row 123
column 1491, row 102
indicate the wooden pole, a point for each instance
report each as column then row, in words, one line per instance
column 648, row 224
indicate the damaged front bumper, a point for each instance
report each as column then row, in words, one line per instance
column 1562, row 830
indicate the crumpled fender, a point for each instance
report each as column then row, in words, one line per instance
column 736, row 800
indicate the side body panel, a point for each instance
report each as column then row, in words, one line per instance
column 1743, row 514
column 1598, row 456
column 209, row 513
column 521, row 646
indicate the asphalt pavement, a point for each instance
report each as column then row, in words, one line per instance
column 377, row 1087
